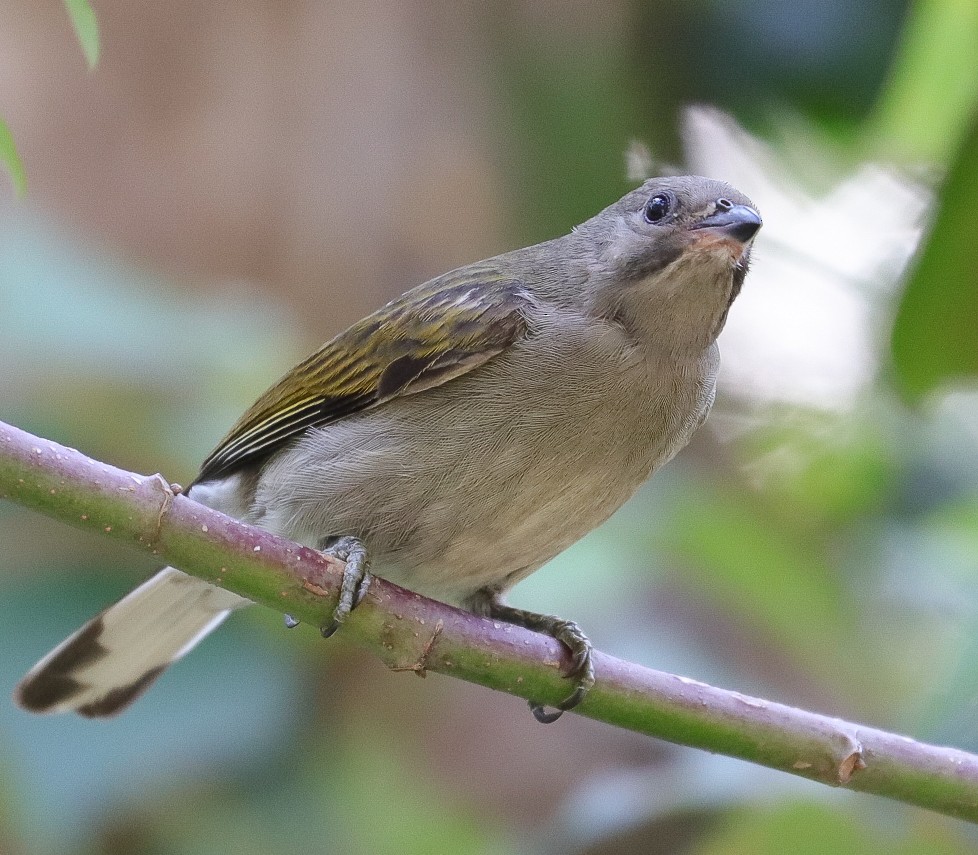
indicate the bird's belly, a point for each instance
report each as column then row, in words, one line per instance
column 498, row 530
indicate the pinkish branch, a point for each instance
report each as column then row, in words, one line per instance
column 410, row 632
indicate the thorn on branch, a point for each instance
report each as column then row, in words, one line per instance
column 850, row 765
column 169, row 493
column 420, row 667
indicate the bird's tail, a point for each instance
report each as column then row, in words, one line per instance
column 117, row 656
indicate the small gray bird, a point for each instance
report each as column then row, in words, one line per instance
column 462, row 435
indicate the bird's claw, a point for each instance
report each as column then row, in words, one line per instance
column 581, row 670
column 568, row 633
column 356, row 580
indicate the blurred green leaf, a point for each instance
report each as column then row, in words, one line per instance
column 347, row 789
column 11, row 159
column 935, row 339
column 820, row 829
column 86, row 28
column 561, row 110
column 747, row 561
column 923, row 111
column 802, row 829
column 821, row 470
column 421, row 815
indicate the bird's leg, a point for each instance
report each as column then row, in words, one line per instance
column 568, row 633
column 356, row 579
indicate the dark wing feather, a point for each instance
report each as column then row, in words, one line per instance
column 424, row 338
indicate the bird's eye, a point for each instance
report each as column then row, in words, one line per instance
column 656, row 208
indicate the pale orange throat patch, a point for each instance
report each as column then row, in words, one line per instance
column 708, row 240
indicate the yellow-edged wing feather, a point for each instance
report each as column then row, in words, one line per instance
column 424, row 338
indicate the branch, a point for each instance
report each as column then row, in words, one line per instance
column 412, row 633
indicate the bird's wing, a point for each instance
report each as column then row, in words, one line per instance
column 422, row 339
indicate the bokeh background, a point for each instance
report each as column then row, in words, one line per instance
column 236, row 182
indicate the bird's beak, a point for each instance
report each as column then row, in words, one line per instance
column 735, row 222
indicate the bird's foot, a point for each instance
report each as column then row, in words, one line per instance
column 351, row 551
column 569, row 634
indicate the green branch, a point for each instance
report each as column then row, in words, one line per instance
column 412, row 633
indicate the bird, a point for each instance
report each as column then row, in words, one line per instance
column 458, row 438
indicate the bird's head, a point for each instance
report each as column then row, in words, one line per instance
column 670, row 257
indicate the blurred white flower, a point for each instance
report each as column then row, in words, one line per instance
column 810, row 325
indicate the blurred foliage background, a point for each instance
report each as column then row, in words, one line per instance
column 236, row 182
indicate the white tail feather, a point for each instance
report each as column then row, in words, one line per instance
column 115, row 657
